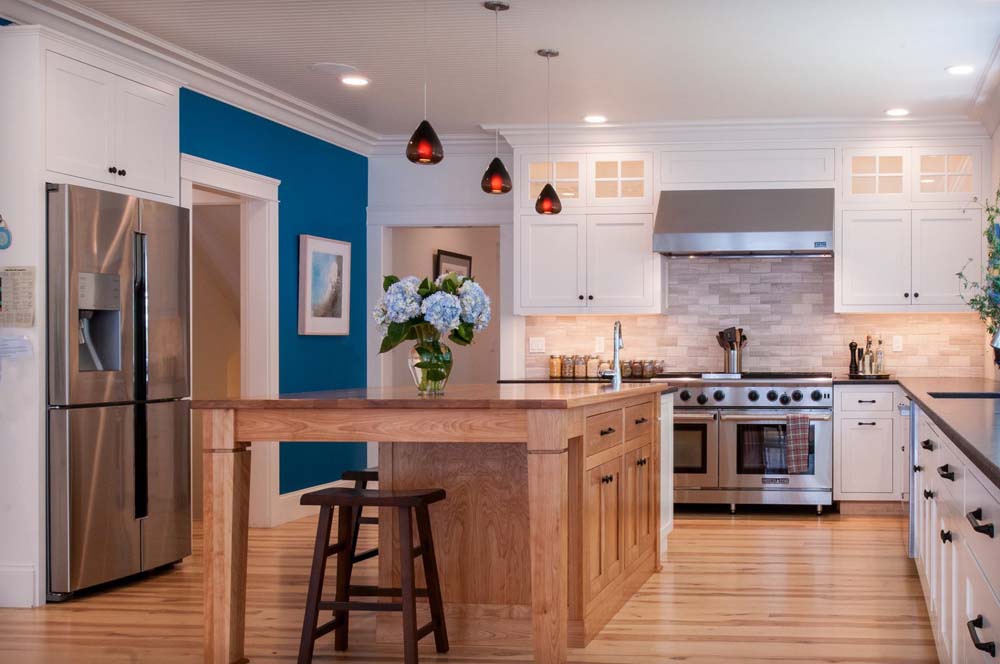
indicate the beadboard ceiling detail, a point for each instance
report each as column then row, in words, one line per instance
column 656, row 61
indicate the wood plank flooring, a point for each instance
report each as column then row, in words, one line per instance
column 745, row 588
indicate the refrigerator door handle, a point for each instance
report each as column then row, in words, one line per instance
column 140, row 303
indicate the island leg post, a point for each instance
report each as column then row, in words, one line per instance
column 548, row 467
column 226, row 505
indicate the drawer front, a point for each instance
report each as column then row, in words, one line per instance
column 977, row 603
column 638, row 420
column 985, row 548
column 604, row 431
column 865, row 402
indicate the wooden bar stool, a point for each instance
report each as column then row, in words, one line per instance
column 361, row 478
column 350, row 502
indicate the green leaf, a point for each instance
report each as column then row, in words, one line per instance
column 394, row 336
column 425, row 288
column 388, row 280
column 436, row 374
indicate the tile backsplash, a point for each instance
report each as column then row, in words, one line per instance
column 785, row 306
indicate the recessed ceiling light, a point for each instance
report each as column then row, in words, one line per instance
column 595, row 119
column 960, row 70
column 355, row 79
column 897, row 112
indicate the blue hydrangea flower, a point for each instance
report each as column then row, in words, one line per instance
column 442, row 310
column 401, row 301
column 381, row 316
column 475, row 305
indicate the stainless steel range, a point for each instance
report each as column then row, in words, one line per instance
column 731, row 441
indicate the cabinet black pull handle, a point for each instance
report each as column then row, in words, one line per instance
column 946, row 474
column 866, row 401
column 608, row 431
column 945, row 536
column 641, row 420
column 985, row 646
column 974, row 517
column 867, row 424
column 906, row 295
column 927, row 445
column 917, row 469
column 928, row 493
column 112, row 170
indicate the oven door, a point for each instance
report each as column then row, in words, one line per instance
column 755, row 453
column 696, row 449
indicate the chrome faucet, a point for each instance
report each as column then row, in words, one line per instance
column 615, row 374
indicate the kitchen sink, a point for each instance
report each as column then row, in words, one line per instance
column 965, row 395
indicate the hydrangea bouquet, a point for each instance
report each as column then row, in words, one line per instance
column 424, row 311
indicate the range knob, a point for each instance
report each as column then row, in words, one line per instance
column 785, row 399
column 816, row 395
column 719, row 395
column 772, row 396
column 796, row 396
column 753, row 395
column 702, row 399
column 685, row 395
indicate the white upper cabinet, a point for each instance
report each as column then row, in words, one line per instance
column 566, row 172
column 946, row 174
column 107, row 128
column 944, row 243
column 620, row 179
column 553, row 256
column 79, row 119
column 620, row 260
column 875, row 255
column 876, row 175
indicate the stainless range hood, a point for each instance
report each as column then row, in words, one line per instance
column 745, row 222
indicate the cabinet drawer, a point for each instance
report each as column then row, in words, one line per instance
column 980, row 606
column 865, row 402
column 603, row 431
column 986, row 549
column 638, row 420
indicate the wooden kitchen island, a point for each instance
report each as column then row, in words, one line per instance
column 552, row 515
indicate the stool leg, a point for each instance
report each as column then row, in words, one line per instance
column 433, row 581
column 345, row 530
column 316, row 575
column 407, row 586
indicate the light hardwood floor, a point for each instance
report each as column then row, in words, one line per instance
column 764, row 588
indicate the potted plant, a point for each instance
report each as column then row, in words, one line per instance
column 984, row 297
column 412, row 309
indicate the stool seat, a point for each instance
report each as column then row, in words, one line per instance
column 337, row 496
column 366, row 475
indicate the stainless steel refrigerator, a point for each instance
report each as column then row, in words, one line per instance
column 119, row 454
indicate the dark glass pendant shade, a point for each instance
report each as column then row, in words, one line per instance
column 496, row 179
column 424, row 146
column 548, row 201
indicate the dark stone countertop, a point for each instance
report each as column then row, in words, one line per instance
column 845, row 380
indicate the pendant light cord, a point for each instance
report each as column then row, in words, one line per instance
column 496, row 75
column 548, row 114
column 423, row 33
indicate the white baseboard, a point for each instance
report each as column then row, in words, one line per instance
column 17, row 585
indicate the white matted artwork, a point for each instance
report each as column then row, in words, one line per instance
column 324, row 286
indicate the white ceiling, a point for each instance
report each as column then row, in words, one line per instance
column 632, row 60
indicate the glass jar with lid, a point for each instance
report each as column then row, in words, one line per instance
column 648, row 369
column 555, row 366
column 567, row 366
column 579, row 366
column 626, row 369
column 593, row 363
column 636, row 368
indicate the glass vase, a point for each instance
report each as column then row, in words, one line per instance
column 430, row 361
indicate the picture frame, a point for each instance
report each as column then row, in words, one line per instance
column 449, row 261
column 324, row 286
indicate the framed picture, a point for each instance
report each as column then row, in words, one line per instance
column 324, row 286
column 449, row 261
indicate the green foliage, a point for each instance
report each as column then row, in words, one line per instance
column 984, row 297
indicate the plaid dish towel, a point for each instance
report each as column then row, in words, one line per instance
column 797, row 444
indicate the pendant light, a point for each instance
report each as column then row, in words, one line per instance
column 548, row 200
column 424, row 146
column 496, row 179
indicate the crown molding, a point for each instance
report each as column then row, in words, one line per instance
column 730, row 132
column 192, row 70
column 985, row 104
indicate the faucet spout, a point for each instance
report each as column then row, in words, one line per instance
column 617, row 344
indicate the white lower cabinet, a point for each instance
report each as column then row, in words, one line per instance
column 596, row 263
column 867, row 449
column 869, row 454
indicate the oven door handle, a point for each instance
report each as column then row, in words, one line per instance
column 767, row 418
column 690, row 417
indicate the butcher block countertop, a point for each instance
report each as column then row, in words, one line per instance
column 543, row 396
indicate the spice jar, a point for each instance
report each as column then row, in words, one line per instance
column 592, row 366
column 626, row 369
column 567, row 366
column 648, row 369
column 555, row 366
column 579, row 366
column 636, row 368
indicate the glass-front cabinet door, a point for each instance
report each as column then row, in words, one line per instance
column 620, row 179
column 876, row 175
column 566, row 172
column 946, row 174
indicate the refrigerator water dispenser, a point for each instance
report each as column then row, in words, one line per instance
column 99, row 311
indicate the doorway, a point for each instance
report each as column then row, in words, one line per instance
column 413, row 252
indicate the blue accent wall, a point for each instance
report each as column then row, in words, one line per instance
column 324, row 192
column 4, row 21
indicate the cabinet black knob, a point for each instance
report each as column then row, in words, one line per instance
column 590, row 297
column 906, row 295
column 945, row 536
column 121, row 172
column 928, row 493
column 581, row 297
column 112, row 170
column 927, row 445
column 916, row 295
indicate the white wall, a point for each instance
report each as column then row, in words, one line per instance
column 413, row 251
